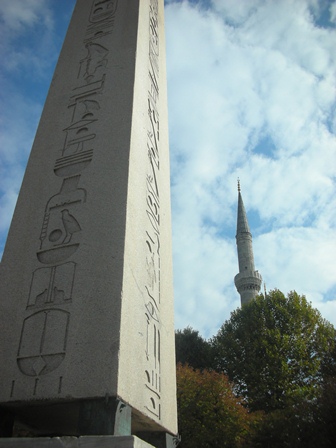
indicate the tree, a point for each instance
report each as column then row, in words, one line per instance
column 324, row 434
column 209, row 414
column 192, row 349
column 273, row 348
column 305, row 424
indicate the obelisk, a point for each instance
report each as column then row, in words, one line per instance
column 87, row 332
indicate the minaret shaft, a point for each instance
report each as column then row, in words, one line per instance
column 245, row 252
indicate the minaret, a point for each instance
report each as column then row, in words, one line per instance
column 248, row 281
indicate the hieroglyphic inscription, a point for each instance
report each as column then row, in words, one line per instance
column 52, row 285
column 101, row 19
column 44, row 334
column 152, row 233
column 43, row 341
column 60, row 226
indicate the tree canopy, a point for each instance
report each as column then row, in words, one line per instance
column 192, row 349
column 273, row 349
column 209, row 413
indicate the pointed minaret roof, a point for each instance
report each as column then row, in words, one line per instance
column 242, row 223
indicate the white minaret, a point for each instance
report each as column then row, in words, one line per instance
column 248, row 281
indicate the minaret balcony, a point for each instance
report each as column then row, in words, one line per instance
column 248, row 280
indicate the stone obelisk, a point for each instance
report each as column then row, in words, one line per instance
column 87, row 333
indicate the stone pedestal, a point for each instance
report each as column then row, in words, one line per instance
column 86, row 277
column 74, row 442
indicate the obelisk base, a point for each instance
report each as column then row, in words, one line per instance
column 75, row 442
column 160, row 439
column 105, row 416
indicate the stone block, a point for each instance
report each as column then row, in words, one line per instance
column 75, row 442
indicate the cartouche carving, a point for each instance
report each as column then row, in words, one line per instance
column 103, row 10
column 43, row 342
column 61, row 223
column 52, row 285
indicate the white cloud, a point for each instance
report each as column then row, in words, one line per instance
column 16, row 14
column 249, row 96
column 29, row 48
column 17, row 128
column 296, row 253
column 27, row 39
column 332, row 10
column 236, row 78
column 7, row 204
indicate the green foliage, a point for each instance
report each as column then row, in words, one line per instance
column 305, row 424
column 192, row 349
column 328, row 367
column 209, row 414
column 273, row 350
column 292, row 427
column 323, row 432
column 280, row 355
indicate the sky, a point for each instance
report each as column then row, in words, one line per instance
column 251, row 95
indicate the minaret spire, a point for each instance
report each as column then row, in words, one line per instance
column 248, row 281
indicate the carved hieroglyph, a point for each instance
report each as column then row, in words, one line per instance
column 86, row 277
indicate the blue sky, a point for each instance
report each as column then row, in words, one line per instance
column 251, row 86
